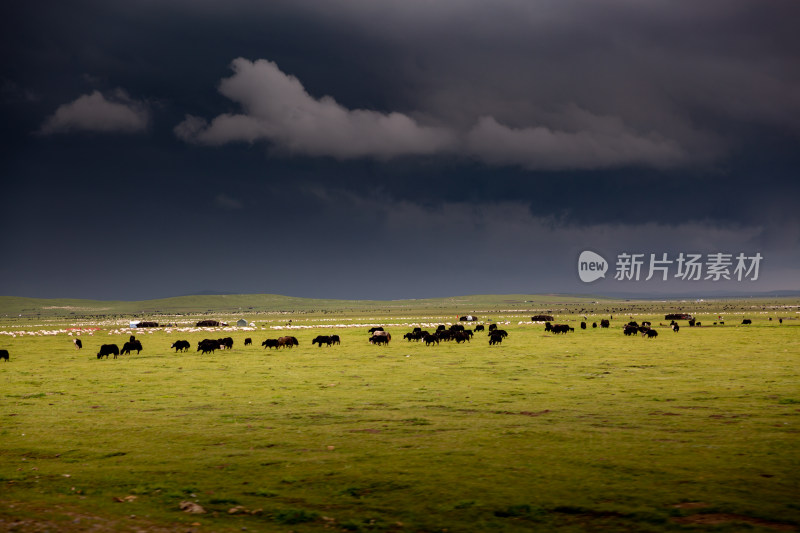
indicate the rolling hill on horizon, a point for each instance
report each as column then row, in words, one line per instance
column 260, row 303
column 243, row 303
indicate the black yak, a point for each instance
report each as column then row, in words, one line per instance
column 207, row 346
column 380, row 339
column 181, row 346
column 129, row 346
column 322, row 339
column 495, row 338
column 108, row 349
column 430, row 339
column 227, row 342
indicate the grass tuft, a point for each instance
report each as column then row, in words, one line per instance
column 295, row 516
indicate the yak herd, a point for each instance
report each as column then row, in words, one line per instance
column 631, row 328
column 378, row 336
column 456, row 332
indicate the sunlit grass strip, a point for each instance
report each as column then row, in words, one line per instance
column 590, row 429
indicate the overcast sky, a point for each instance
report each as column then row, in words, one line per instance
column 397, row 149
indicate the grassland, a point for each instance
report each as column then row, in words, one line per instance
column 696, row 430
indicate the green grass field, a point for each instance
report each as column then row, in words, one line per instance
column 589, row 431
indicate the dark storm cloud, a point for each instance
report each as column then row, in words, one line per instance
column 543, row 85
column 566, row 84
column 670, row 71
column 364, row 149
column 227, row 202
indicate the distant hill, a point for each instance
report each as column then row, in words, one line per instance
column 719, row 295
column 244, row 303
column 13, row 306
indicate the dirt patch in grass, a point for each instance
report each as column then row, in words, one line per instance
column 523, row 413
column 690, row 505
column 28, row 517
column 718, row 519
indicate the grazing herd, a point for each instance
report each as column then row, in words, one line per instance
column 558, row 328
column 280, row 342
column 113, row 349
column 378, row 336
column 327, row 340
column 456, row 332
column 211, row 345
column 632, row 329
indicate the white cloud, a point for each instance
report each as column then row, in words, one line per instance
column 278, row 109
column 115, row 113
column 606, row 143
